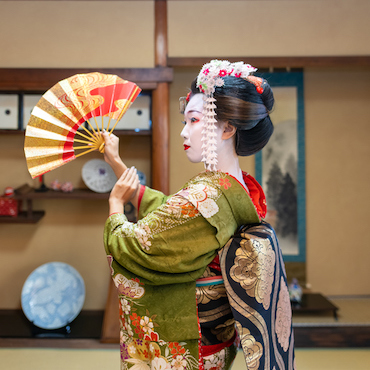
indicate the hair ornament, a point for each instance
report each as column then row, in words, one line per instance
column 258, row 82
column 210, row 77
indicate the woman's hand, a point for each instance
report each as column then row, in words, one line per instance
column 125, row 189
column 111, row 153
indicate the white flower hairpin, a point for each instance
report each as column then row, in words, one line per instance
column 210, row 77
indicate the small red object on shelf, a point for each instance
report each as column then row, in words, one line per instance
column 8, row 205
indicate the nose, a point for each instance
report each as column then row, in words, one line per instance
column 184, row 132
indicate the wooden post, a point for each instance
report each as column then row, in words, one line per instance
column 160, row 114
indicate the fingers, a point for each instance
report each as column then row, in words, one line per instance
column 126, row 186
column 129, row 175
column 109, row 137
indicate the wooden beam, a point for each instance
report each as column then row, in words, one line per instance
column 278, row 62
column 42, row 79
column 160, row 126
column 160, row 33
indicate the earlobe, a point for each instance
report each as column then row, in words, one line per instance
column 229, row 131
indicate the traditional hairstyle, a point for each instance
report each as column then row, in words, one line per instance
column 232, row 95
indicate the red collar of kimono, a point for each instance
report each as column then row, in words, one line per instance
column 256, row 193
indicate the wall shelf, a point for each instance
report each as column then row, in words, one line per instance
column 23, row 218
column 26, row 194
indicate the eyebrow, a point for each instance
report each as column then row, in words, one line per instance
column 193, row 110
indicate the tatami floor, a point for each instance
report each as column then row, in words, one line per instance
column 70, row 359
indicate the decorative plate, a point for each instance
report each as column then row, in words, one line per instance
column 53, row 295
column 142, row 177
column 98, row 176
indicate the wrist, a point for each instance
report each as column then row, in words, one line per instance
column 114, row 161
column 117, row 166
column 115, row 206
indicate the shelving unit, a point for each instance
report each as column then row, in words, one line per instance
column 38, row 80
column 152, row 80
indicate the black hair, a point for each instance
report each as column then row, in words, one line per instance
column 239, row 103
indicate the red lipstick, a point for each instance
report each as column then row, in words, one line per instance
column 186, row 147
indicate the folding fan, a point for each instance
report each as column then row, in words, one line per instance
column 56, row 132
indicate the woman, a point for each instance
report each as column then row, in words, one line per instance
column 178, row 285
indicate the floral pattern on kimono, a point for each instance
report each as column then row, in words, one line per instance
column 156, row 262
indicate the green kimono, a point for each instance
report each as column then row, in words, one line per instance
column 156, row 262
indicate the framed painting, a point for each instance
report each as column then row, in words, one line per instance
column 280, row 166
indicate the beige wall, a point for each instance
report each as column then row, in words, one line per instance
column 337, row 179
column 268, row 28
column 73, row 34
column 337, row 123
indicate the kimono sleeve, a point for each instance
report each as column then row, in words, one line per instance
column 172, row 244
column 150, row 200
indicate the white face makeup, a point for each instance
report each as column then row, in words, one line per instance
column 192, row 132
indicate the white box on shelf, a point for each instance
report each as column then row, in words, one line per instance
column 9, row 111
column 29, row 101
column 137, row 117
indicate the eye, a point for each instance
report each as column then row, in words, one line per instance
column 194, row 120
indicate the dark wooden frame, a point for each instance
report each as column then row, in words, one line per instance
column 278, row 62
column 42, row 79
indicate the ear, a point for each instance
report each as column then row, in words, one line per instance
column 229, row 131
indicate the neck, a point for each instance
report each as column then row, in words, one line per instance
column 228, row 162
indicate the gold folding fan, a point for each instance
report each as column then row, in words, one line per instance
column 56, row 132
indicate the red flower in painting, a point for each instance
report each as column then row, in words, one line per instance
column 222, row 73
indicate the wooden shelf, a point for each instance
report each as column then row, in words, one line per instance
column 27, row 195
column 23, row 218
column 26, row 192
column 30, row 194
